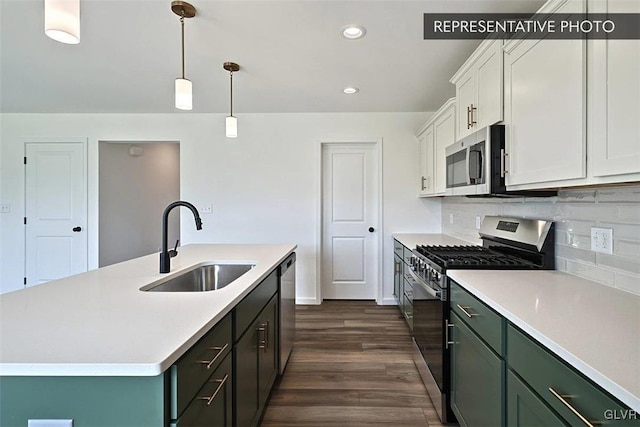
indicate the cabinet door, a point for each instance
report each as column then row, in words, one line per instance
column 246, row 377
column 425, row 144
column 614, row 98
column 489, row 82
column 525, row 408
column 212, row 405
column 444, row 132
column 477, row 375
column 267, row 350
column 465, row 98
column 545, row 108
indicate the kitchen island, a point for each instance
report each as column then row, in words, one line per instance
column 97, row 337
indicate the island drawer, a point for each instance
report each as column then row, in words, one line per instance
column 482, row 319
column 194, row 368
column 249, row 308
column 212, row 405
column 561, row 387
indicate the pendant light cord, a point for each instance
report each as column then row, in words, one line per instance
column 182, row 28
column 231, row 93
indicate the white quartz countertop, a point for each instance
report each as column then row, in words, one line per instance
column 410, row 240
column 595, row 328
column 100, row 324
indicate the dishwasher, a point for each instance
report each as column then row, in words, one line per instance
column 287, row 312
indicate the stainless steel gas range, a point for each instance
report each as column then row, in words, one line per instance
column 507, row 244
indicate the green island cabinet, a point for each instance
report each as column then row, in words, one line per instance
column 403, row 282
column 222, row 380
column 500, row 376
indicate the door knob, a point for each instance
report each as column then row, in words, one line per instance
column 371, row 229
column 77, row 229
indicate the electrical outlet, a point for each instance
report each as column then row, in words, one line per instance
column 451, row 218
column 478, row 221
column 206, row 209
column 49, row 423
column 602, row 240
column 5, row 208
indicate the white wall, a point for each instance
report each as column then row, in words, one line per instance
column 133, row 192
column 263, row 186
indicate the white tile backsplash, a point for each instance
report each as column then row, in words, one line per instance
column 574, row 212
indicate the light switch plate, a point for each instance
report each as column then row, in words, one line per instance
column 478, row 221
column 602, row 240
column 50, row 423
column 5, row 208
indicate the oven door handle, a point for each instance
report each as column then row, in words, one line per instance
column 428, row 289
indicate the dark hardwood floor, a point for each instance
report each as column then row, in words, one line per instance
column 352, row 365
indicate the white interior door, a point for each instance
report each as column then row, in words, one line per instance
column 350, row 192
column 56, row 211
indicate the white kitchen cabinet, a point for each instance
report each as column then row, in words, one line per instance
column 433, row 137
column 444, row 134
column 479, row 85
column 545, row 107
column 425, row 148
column 614, row 98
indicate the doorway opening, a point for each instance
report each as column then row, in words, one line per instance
column 136, row 181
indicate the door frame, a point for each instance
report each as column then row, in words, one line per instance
column 85, row 164
column 376, row 142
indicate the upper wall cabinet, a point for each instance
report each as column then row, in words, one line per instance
column 479, row 89
column 545, row 106
column 425, row 149
column 433, row 138
column 614, row 98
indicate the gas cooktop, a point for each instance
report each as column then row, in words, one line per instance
column 476, row 257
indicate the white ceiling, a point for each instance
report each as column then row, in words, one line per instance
column 291, row 54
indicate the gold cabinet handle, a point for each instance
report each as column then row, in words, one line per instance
column 503, row 163
column 464, row 310
column 215, row 393
column 422, row 184
column 220, row 350
column 562, row 398
column 471, row 110
column 468, row 120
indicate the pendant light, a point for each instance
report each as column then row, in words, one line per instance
column 184, row 97
column 231, row 123
column 62, row 20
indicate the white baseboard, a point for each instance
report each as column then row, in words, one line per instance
column 307, row 301
column 389, row 301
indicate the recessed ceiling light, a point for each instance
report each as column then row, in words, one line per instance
column 351, row 90
column 353, row 31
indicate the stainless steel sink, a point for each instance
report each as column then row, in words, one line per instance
column 201, row 279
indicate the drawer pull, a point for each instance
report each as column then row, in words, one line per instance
column 215, row 393
column 562, row 398
column 464, row 310
column 264, row 328
column 220, row 350
column 447, row 325
column 408, row 315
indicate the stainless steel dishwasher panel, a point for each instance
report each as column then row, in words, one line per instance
column 287, row 309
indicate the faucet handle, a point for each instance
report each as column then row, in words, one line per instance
column 173, row 252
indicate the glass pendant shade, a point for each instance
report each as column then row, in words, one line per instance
column 62, row 20
column 232, row 127
column 184, row 99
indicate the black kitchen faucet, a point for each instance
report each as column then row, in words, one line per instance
column 166, row 254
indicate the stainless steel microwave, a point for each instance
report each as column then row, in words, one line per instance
column 469, row 164
column 476, row 166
